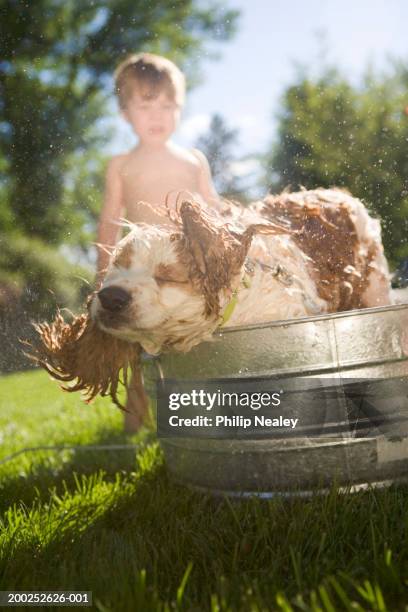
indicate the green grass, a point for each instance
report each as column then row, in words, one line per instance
column 115, row 524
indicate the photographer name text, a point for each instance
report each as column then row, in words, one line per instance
column 234, row 421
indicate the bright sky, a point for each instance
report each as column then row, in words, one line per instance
column 247, row 81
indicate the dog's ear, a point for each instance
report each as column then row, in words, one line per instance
column 212, row 252
column 81, row 352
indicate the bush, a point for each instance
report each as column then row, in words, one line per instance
column 35, row 280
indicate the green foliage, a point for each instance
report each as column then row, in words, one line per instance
column 35, row 279
column 57, row 60
column 33, row 267
column 83, row 189
column 334, row 134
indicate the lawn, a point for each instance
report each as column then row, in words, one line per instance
column 113, row 522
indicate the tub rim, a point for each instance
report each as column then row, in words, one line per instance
column 313, row 319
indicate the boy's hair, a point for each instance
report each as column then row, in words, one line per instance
column 150, row 75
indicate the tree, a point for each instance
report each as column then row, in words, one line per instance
column 333, row 134
column 55, row 74
column 57, row 58
column 219, row 145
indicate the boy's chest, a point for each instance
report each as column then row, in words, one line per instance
column 152, row 182
column 160, row 169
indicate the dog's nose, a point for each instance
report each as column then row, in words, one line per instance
column 114, row 298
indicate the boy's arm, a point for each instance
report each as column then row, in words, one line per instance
column 108, row 229
column 206, row 185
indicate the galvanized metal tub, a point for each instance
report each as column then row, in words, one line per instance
column 370, row 345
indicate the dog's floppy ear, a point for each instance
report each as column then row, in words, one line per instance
column 213, row 253
column 81, row 352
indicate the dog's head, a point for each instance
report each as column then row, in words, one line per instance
column 165, row 286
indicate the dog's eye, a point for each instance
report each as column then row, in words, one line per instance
column 161, row 281
column 170, row 274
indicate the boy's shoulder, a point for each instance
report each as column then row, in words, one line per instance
column 194, row 156
column 200, row 157
column 117, row 162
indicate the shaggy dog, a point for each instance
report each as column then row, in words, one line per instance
column 170, row 287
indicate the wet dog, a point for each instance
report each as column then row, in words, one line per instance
column 170, row 287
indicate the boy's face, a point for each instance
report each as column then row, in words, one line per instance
column 152, row 119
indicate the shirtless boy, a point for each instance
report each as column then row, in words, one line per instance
column 150, row 91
